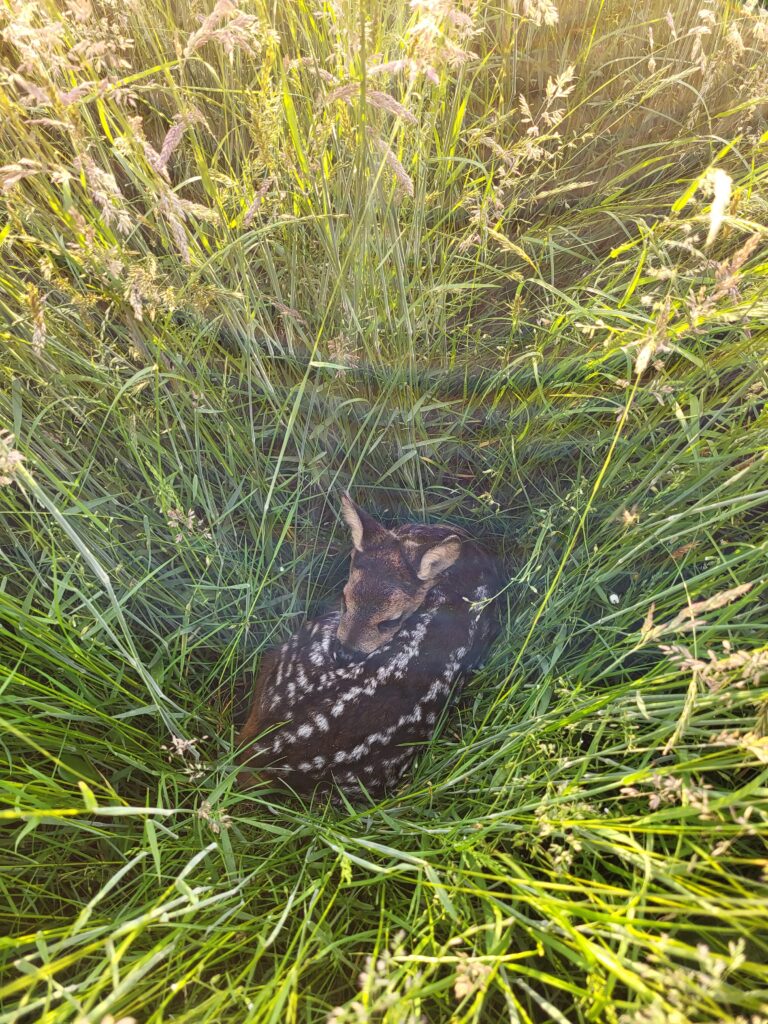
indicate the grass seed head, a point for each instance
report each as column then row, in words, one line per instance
column 10, row 458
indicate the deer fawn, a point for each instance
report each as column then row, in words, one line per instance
column 350, row 697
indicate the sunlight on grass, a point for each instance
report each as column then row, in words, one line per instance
column 503, row 265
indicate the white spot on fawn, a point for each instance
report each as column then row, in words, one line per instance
column 437, row 689
column 317, row 655
column 305, row 666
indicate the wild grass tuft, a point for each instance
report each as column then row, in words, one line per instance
column 504, row 265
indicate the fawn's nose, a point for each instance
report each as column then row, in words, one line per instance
column 356, row 637
column 362, row 647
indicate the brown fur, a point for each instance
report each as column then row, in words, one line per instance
column 390, row 575
column 325, row 712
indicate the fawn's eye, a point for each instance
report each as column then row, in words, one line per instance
column 387, row 624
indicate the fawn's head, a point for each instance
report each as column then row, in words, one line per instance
column 389, row 577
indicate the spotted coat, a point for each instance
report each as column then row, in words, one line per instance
column 321, row 715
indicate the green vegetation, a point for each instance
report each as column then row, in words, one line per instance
column 503, row 264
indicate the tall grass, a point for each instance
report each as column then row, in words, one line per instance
column 498, row 264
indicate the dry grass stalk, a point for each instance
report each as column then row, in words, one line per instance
column 439, row 35
column 471, row 976
column 12, row 174
column 105, row 192
column 383, row 101
column 37, row 39
column 541, row 12
column 37, row 307
column 687, row 619
column 261, row 191
column 701, row 302
column 174, row 135
column 232, row 29
column 10, row 458
column 413, row 66
column 656, row 342
column 376, row 98
column 311, row 64
column 404, row 182
column 737, row 668
column 289, row 311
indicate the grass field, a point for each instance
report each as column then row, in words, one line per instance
column 499, row 264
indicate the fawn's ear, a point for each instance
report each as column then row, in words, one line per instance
column 439, row 558
column 362, row 526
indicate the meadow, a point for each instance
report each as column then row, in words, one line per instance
column 502, row 264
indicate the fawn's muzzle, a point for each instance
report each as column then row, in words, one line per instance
column 359, row 639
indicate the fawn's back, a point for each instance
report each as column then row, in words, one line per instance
column 350, row 697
